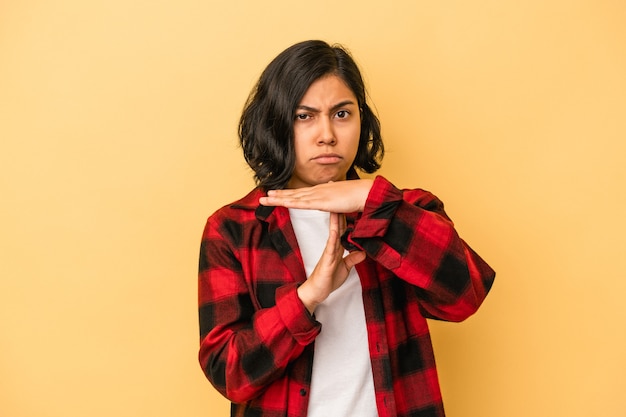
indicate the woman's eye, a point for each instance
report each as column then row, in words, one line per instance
column 302, row 116
column 342, row 114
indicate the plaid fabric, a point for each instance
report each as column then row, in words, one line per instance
column 257, row 339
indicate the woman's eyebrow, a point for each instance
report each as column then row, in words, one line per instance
column 334, row 107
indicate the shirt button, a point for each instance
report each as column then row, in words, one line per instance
column 303, row 392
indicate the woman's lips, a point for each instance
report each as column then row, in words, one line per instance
column 327, row 158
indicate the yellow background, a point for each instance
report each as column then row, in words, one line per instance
column 118, row 138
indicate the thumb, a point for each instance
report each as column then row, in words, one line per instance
column 353, row 258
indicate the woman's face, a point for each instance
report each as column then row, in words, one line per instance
column 327, row 128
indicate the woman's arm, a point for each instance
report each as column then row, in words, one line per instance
column 409, row 233
column 245, row 348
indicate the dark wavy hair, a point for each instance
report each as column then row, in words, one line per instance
column 266, row 127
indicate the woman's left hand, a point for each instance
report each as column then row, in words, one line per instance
column 337, row 197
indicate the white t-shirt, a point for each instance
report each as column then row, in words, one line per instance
column 342, row 382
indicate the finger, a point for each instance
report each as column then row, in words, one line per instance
column 334, row 222
column 333, row 252
column 342, row 224
column 289, row 192
column 278, row 201
column 353, row 258
column 306, row 193
column 330, row 250
column 337, row 224
column 292, row 201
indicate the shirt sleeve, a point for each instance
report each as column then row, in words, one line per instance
column 244, row 348
column 409, row 233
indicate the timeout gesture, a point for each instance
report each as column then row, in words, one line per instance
column 336, row 197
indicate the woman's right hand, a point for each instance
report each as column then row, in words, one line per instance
column 332, row 269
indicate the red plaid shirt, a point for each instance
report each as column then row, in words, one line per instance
column 257, row 338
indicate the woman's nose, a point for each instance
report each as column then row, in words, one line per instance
column 327, row 134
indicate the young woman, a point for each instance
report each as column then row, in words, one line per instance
column 314, row 289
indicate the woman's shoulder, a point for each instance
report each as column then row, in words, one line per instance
column 245, row 206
